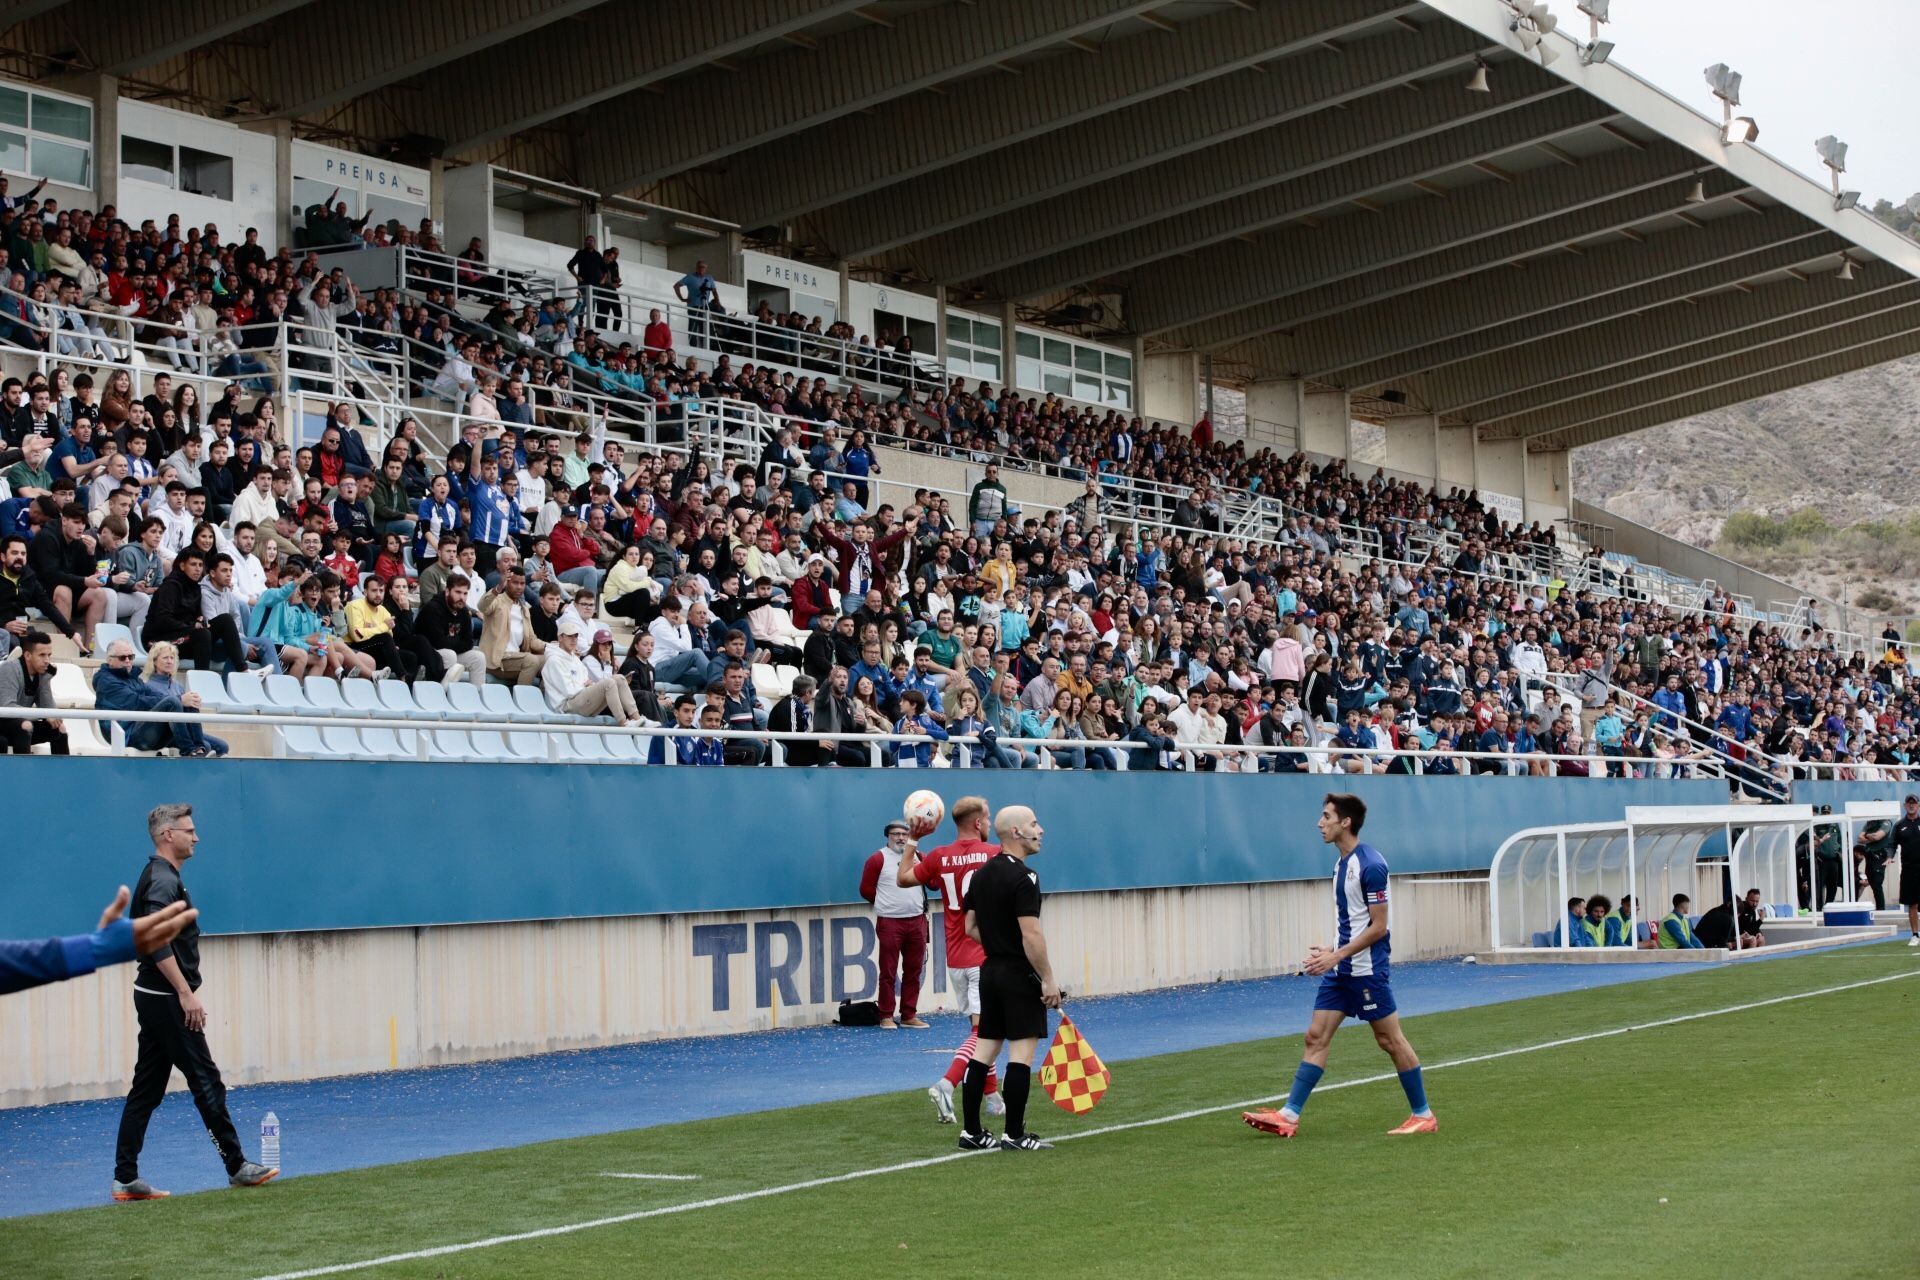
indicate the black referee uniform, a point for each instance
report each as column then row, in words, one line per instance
column 1002, row 892
column 165, row 1041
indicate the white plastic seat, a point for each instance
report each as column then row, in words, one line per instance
column 432, row 699
column 213, row 691
column 450, row 744
column 305, row 740
column 531, row 703
column 392, row 744
column 246, row 691
column 625, row 748
column 324, row 693
column 465, row 699
column 363, row 699
column 285, row 694
column 346, row 742
column 490, row 744
column 499, row 704
column 591, row 747
column 528, row 744
column 105, row 633
column 397, row 698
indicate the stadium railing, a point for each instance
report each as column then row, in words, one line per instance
column 444, row 737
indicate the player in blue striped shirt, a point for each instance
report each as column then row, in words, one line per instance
column 1354, row 976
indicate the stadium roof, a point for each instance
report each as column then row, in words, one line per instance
column 1302, row 188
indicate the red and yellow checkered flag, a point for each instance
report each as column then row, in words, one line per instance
column 1073, row 1075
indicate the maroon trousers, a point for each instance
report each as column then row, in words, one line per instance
column 903, row 956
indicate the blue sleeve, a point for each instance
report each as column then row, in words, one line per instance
column 43, row 960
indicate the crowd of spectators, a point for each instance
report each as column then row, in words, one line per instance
column 1163, row 638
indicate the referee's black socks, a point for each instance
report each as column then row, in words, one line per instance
column 1013, row 1087
column 973, row 1088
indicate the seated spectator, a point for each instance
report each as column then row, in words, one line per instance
column 1676, row 931
column 158, row 689
column 26, row 680
column 570, row 688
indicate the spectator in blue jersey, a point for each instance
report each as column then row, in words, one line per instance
column 684, row 745
column 1676, row 931
column 114, row 940
column 1672, row 700
column 494, row 516
column 922, row 730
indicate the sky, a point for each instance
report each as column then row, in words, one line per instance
column 1843, row 67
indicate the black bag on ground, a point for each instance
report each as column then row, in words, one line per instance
column 858, row 1013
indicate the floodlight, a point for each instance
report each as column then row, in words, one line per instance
column 1596, row 53
column 1725, row 83
column 1478, row 82
column 1846, row 268
column 1595, row 9
column 1846, row 200
column 1833, row 153
column 1739, row 129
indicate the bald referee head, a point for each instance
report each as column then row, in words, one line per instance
column 1018, row 831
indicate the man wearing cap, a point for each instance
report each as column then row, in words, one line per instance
column 900, row 922
column 569, row 687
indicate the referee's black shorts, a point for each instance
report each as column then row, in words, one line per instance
column 1010, row 1006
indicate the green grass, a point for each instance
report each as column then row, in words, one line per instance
column 1779, row 1139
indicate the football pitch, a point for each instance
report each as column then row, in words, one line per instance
column 1760, row 1113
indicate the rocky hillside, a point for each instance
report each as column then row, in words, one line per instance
column 1845, row 449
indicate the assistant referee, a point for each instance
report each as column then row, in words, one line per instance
column 1016, row 982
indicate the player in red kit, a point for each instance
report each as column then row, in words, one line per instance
column 948, row 869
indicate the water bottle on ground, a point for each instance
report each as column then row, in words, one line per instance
column 270, row 1141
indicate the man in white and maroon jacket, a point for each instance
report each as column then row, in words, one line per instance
column 900, row 921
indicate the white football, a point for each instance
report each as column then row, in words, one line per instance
column 924, row 811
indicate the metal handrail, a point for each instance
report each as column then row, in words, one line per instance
column 1595, row 764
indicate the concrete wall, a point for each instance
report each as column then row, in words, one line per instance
column 1413, row 446
column 300, row 1006
column 1503, row 468
column 1549, row 494
column 1275, row 416
column 1457, row 464
column 1327, row 425
column 1169, row 386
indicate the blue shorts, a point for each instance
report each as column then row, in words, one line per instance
column 1366, row 998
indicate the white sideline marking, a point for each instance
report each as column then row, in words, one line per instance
column 656, row 1177
column 905, row 1166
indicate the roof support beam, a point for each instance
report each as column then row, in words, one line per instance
column 1326, row 301
column 345, row 48
column 1406, row 126
column 1760, row 378
column 855, row 156
column 1471, row 318
column 1706, row 363
column 1223, row 279
column 119, row 37
column 1538, row 372
column 626, row 45
column 1136, row 140
column 855, row 70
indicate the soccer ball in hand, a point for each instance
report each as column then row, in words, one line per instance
column 924, row 811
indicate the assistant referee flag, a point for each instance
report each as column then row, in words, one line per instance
column 1073, row 1075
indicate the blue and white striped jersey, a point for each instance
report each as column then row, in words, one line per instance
column 1359, row 882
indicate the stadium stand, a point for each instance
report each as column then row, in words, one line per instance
column 1241, row 593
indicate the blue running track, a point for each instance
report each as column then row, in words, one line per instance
column 61, row 1157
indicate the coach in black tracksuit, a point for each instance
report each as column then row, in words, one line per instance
column 173, row 1021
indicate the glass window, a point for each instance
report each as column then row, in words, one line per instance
column 1119, row 366
column 66, row 119
column 959, row 328
column 13, row 151
column 145, row 160
column 1087, row 359
column 1061, row 384
column 1028, row 345
column 63, row 163
column 387, row 211
column 1120, row 393
column 13, row 108
column 206, row 174
column 1027, row 373
column 1088, row 389
column 986, row 364
column 986, row 335
column 1060, row 353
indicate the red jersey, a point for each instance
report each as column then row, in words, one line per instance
column 949, row 869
